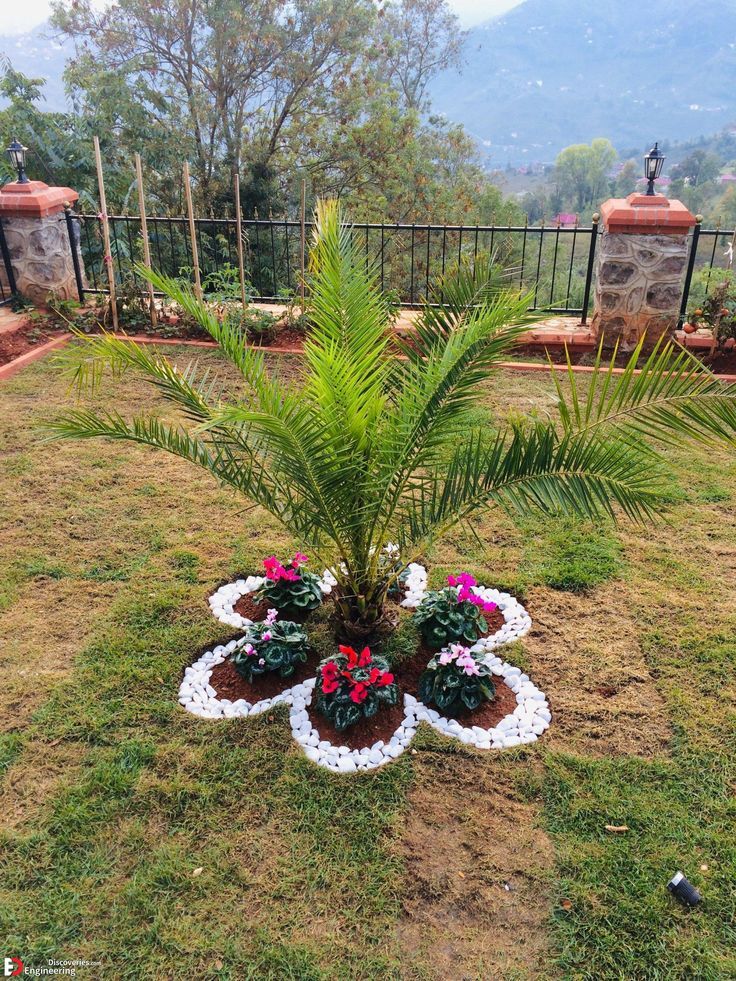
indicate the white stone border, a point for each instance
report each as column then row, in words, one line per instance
column 524, row 725
column 222, row 601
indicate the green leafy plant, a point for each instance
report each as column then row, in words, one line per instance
column 718, row 311
column 365, row 448
column 274, row 645
column 456, row 680
column 352, row 686
column 453, row 614
column 291, row 589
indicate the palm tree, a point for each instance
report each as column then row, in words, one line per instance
column 371, row 447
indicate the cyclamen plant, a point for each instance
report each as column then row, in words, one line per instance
column 453, row 614
column 291, row 589
column 456, row 679
column 351, row 686
column 271, row 646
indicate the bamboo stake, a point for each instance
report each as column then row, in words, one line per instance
column 106, row 234
column 239, row 232
column 192, row 231
column 144, row 235
column 303, row 230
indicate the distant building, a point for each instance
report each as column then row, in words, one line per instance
column 565, row 220
column 727, row 178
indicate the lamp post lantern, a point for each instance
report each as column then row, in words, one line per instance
column 653, row 163
column 17, row 153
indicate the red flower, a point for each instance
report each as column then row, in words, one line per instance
column 374, row 676
column 359, row 693
column 365, row 657
column 329, row 686
column 386, row 679
column 350, row 654
column 330, row 671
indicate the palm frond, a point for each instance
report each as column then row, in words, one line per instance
column 669, row 396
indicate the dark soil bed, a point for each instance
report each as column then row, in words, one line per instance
column 386, row 722
column 229, row 684
column 257, row 610
column 364, row 733
column 24, row 338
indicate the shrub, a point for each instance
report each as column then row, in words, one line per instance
column 453, row 614
column 293, row 591
column 271, row 646
column 353, row 686
column 456, row 679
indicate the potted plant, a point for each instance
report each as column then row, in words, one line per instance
column 290, row 588
column 453, row 614
column 272, row 646
column 456, row 680
column 352, row 686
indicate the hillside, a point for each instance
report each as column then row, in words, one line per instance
column 554, row 72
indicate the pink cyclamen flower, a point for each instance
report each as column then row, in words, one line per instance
column 249, row 649
column 266, row 636
column 299, row 559
column 261, row 661
column 271, row 617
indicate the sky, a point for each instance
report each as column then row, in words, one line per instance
column 20, row 17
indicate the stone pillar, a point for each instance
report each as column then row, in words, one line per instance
column 38, row 242
column 640, row 264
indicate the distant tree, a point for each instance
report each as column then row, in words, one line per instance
column 581, row 173
column 697, row 168
column 227, row 82
column 627, row 178
column 418, row 39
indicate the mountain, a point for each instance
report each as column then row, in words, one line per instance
column 554, row 72
column 38, row 55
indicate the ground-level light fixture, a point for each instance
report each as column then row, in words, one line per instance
column 653, row 163
column 17, row 153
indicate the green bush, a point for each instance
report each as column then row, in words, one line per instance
column 453, row 615
column 353, row 686
column 455, row 679
column 292, row 590
column 271, row 646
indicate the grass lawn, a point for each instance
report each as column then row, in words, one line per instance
column 164, row 846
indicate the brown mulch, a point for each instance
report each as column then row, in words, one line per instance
column 364, row 733
column 229, row 684
column 251, row 608
column 257, row 610
column 22, row 339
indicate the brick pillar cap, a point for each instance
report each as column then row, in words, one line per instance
column 34, row 199
column 642, row 214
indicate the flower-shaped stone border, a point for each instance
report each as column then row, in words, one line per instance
column 524, row 725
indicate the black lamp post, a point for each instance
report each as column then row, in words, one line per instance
column 17, row 153
column 653, row 163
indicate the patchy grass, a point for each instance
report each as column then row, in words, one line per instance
column 166, row 846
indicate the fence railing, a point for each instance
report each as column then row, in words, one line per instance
column 711, row 258
column 7, row 276
column 554, row 263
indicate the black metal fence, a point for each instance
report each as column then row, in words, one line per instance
column 711, row 259
column 553, row 262
column 7, row 276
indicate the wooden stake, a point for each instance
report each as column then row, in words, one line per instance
column 192, row 231
column 239, row 233
column 106, row 235
column 304, row 245
column 144, row 235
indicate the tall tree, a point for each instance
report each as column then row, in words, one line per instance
column 419, row 39
column 227, row 81
column 581, row 172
